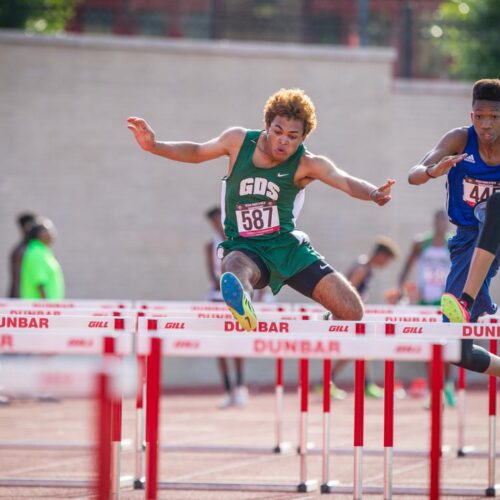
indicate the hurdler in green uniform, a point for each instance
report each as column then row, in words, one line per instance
column 261, row 208
column 262, row 196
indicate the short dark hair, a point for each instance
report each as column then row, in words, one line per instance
column 35, row 231
column 25, row 218
column 41, row 224
column 487, row 89
column 212, row 212
column 387, row 246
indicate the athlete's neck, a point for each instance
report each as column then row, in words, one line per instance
column 490, row 153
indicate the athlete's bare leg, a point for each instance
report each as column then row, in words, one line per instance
column 244, row 268
column 479, row 267
column 335, row 293
column 494, row 368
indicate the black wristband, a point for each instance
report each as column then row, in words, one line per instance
column 427, row 170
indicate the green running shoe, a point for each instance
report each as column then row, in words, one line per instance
column 454, row 309
column 335, row 392
column 449, row 394
column 238, row 301
column 374, row 391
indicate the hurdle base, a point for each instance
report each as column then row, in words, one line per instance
column 465, row 450
column 48, row 445
column 327, row 487
column 283, row 447
column 471, row 451
column 139, row 483
column 421, row 491
column 307, row 486
column 45, row 483
column 194, row 448
column 310, row 447
column 491, row 491
column 378, row 452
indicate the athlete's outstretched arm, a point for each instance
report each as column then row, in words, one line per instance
column 185, row 151
column 323, row 169
column 439, row 160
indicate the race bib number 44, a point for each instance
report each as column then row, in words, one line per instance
column 476, row 191
column 255, row 219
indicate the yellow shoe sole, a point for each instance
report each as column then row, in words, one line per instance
column 237, row 301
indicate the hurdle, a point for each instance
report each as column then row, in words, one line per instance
column 151, row 306
column 432, row 314
column 65, row 304
column 150, row 323
column 72, row 382
column 218, row 310
column 472, row 331
column 302, row 339
column 96, row 380
column 82, row 328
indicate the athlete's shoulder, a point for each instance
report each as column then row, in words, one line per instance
column 234, row 133
column 233, row 138
column 456, row 139
column 312, row 160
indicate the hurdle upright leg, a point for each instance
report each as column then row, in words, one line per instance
column 153, row 418
column 304, row 484
column 103, row 462
column 462, row 449
column 281, row 446
column 436, row 421
column 139, row 445
column 492, row 430
column 388, row 428
column 359, row 413
column 327, row 369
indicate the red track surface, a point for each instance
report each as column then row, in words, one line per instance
column 195, row 420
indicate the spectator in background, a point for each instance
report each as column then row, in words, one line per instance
column 25, row 222
column 360, row 275
column 41, row 274
column 432, row 256
column 237, row 394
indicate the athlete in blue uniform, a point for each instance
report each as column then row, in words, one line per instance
column 470, row 158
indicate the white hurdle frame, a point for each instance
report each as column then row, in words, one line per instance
column 150, row 323
column 212, row 342
column 83, row 328
column 79, row 342
column 471, row 331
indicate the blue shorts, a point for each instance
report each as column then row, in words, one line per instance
column 461, row 248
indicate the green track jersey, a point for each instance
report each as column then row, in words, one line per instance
column 260, row 203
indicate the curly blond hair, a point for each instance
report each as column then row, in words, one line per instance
column 294, row 104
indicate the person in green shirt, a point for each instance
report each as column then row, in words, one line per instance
column 41, row 274
column 262, row 195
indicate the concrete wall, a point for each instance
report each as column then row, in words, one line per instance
column 131, row 225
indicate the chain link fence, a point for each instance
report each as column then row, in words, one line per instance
column 426, row 47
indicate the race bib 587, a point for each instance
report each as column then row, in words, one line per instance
column 255, row 219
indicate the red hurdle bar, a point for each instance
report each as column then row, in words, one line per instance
column 388, row 419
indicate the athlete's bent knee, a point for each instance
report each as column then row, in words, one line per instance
column 474, row 357
column 355, row 311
